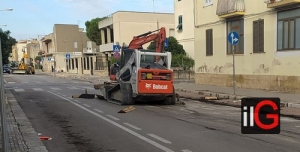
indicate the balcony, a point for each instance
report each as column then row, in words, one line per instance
column 281, row 3
column 106, row 47
column 230, row 8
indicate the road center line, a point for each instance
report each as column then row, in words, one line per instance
column 87, row 105
column 132, row 126
column 160, row 139
column 120, row 126
column 98, row 110
column 112, row 117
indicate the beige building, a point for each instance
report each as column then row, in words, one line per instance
column 121, row 26
column 33, row 48
column 267, row 54
column 17, row 50
column 184, row 23
column 68, row 40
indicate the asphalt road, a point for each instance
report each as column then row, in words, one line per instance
column 93, row 125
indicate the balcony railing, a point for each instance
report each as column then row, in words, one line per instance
column 230, row 8
column 281, row 3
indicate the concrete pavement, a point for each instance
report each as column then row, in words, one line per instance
column 95, row 125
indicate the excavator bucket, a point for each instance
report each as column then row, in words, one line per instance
column 18, row 71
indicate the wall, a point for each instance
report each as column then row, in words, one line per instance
column 129, row 24
column 185, row 36
column 271, row 70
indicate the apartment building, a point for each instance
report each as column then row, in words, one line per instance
column 184, row 23
column 268, row 51
column 33, row 48
column 68, row 40
column 121, row 26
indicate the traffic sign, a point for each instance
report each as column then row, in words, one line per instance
column 42, row 59
column 68, row 56
column 117, row 55
column 116, row 48
column 49, row 58
column 233, row 38
column 166, row 42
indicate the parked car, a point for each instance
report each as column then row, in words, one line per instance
column 6, row 69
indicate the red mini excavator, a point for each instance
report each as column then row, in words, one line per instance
column 143, row 74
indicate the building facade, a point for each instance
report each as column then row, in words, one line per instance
column 267, row 53
column 68, row 40
column 121, row 26
column 184, row 23
column 18, row 49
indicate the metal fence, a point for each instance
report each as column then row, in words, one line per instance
column 184, row 74
column 100, row 65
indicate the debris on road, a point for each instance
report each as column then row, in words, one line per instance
column 85, row 95
column 45, row 138
column 126, row 110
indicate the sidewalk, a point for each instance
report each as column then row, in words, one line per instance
column 288, row 99
column 21, row 135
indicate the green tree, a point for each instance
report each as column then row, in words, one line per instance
column 179, row 56
column 38, row 58
column 6, row 45
column 92, row 30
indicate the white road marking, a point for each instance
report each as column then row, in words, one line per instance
column 19, row 90
column 77, row 101
column 37, row 89
column 98, row 110
column 72, row 88
column 38, row 82
column 112, row 117
column 11, row 82
column 120, row 126
column 186, row 150
column 87, row 105
column 70, row 98
column 25, row 82
column 55, row 88
column 159, row 138
column 297, row 126
column 132, row 126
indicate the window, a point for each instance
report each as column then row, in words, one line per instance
column 209, row 42
column 208, row 2
column 258, row 36
column 75, row 45
column 236, row 25
column 179, row 27
column 288, row 30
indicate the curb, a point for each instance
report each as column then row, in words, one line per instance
column 230, row 96
column 30, row 136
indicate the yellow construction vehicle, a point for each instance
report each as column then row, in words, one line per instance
column 25, row 66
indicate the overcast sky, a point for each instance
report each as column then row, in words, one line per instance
column 31, row 18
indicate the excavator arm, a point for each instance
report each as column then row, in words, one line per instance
column 159, row 37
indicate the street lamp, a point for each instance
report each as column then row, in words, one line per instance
column 3, row 24
column 8, row 9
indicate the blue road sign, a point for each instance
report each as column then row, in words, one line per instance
column 116, row 48
column 233, row 38
column 42, row 59
column 49, row 58
column 117, row 55
column 68, row 56
column 166, row 42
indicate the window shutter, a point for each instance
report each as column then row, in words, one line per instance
column 255, row 36
column 207, row 42
column 261, row 36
